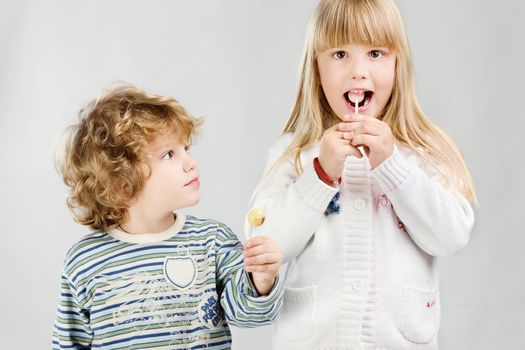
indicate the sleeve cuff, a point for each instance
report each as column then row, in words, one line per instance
column 251, row 292
column 392, row 172
column 313, row 191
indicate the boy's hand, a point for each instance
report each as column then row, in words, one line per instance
column 373, row 134
column 262, row 257
column 334, row 148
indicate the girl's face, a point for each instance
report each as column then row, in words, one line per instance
column 357, row 73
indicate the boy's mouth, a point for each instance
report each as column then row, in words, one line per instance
column 194, row 181
column 361, row 97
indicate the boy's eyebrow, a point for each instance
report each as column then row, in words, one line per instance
column 168, row 144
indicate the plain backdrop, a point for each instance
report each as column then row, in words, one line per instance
column 236, row 62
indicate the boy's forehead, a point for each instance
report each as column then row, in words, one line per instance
column 163, row 140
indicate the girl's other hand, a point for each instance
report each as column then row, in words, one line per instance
column 374, row 135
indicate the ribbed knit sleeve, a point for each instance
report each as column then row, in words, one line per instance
column 438, row 220
column 293, row 204
column 242, row 305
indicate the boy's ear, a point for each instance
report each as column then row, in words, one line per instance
column 145, row 169
column 118, row 191
column 122, row 191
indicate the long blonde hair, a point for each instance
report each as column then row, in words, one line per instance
column 376, row 23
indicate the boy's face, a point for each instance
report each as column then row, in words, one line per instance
column 174, row 179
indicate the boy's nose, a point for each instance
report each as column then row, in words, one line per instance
column 190, row 163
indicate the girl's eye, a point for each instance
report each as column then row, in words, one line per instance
column 168, row 155
column 339, row 55
column 376, row 53
column 187, row 148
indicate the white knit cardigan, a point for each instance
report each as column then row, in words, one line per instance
column 366, row 277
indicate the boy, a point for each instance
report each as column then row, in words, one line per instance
column 150, row 277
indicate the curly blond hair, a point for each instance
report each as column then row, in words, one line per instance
column 105, row 162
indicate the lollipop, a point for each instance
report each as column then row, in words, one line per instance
column 355, row 99
column 256, row 217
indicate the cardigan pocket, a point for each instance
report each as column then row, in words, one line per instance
column 296, row 320
column 420, row 315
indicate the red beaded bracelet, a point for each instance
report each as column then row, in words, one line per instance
column 324, row 176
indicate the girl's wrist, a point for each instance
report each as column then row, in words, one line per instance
column 323, row 176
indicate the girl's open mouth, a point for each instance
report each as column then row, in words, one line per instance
column 361, row 97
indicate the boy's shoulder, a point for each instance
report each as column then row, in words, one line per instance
column 198, row 225
column 88, row 241
column 85, row 247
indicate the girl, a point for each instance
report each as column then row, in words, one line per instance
column 361, row 191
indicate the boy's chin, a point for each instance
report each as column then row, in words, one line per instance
column 194, row 201
column 187, row 204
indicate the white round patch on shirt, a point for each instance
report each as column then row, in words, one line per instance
column 180, row 272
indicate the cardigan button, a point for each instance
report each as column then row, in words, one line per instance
column 359, row 204
column 358, row 285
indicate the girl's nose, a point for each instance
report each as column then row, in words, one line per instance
column 359, row 70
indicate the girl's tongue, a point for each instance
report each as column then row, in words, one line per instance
column 361, row 98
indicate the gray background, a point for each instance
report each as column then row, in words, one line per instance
column 236, row 63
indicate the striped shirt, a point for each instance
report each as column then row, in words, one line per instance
column 178, row 289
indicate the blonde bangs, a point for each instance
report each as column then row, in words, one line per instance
column 363, row 22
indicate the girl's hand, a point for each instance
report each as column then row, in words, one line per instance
column 262, row 257
column 374, row 135
column 335, row 147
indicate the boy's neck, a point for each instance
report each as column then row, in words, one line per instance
column 141, row 224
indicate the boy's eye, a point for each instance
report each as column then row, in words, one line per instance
column 168, row 155
column 376, row 53
column 339, row 55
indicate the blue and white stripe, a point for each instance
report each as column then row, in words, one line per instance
column 114, row 294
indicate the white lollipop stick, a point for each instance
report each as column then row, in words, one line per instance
column 355, row 100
